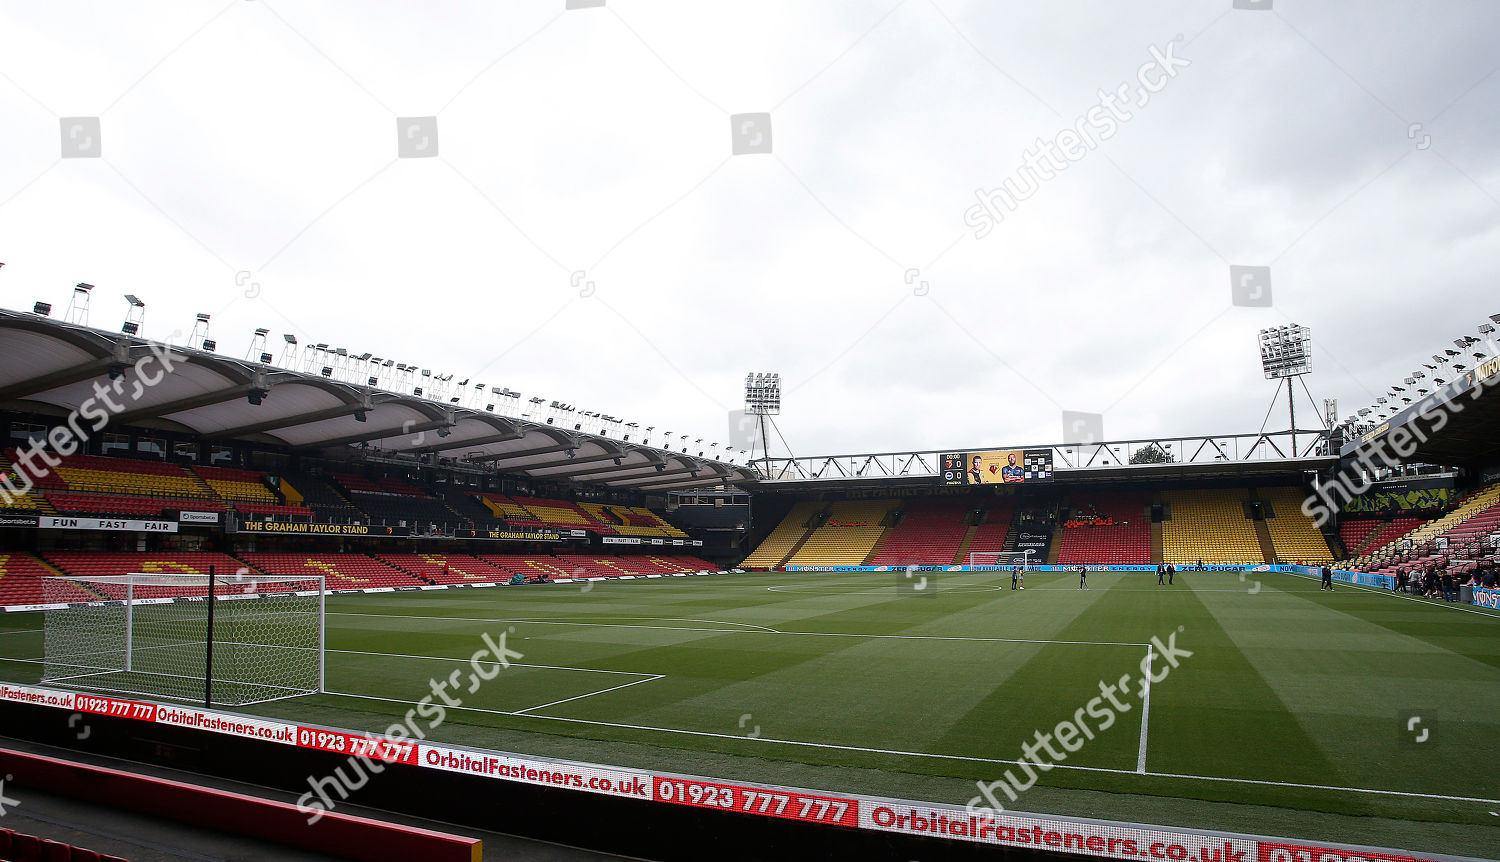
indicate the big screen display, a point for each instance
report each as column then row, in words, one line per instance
column 997, row 467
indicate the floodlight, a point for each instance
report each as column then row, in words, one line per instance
column 1285, row 351
column 763, row 393
column 288, row 338
column 1486, row 328
column 42, row 308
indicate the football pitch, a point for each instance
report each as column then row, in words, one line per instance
column 1253, row 703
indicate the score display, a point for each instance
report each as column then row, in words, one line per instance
column 997, row 467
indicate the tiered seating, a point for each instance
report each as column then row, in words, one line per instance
column 354, row 482
column 117, row 504
column 340, row 571
column 1466, row 530
column 561, row 514
column 1354, row 533
column 780, row 541
column 470, row 509
column 240, row 486
column 1209, row 525
column 1294, row 535
column 21, row 583
column 23, row 501
column 100, row 475
column 641, row 517
column 1123, row 536
column 510, row 510
column 530, row 565
column 446, row 568
column 847, row 537
column 326, row 503
column 1387, row 532
column 929, row 533
column 281, row 511
column 995, row 526
column 412, row 510
column 632, row 521
column 146, row 562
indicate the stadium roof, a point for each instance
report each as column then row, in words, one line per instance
column 53, row 367
column 1459, row 424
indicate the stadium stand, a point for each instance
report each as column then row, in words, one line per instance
column 446, row 568
column 101, row 475
column 1458, row 540
column 1293, row 534
column 993, row 529
column 847, row 537
column 631, row 521
column 1209, row 525
column 340, row 571
column 238, row 486
column 21, row 582
column 1107, row 527
column 528, row 565
column 561, row 514
column 597, row 566
column 326, row 503
column 1382, row 534
column 929, row 533
column 85, row 563
column 784, row 537
column 472, row 511
column 120, row 504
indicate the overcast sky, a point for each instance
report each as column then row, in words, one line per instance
column 586, row 232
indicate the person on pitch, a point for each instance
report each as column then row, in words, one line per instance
column 1015, row 578
column 1083, row 577
column 1161, row 573
column 1327, row 583
column 1171, row 570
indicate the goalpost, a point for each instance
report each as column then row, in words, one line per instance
column 226, row 640
column 1005, row 560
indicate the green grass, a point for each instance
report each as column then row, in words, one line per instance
column 846, row 682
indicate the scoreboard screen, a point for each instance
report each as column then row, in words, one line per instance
column 1003, row 466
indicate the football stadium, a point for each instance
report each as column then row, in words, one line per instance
column 271, row 597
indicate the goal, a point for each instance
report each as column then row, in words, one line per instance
column 1000, row 560
column 227, row 640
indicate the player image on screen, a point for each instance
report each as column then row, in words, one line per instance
column 1012, row 471
column 976, row 471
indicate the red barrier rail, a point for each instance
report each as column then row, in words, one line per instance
column 336, row 834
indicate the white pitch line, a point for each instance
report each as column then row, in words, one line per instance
column 827, row 745
column 653, row 678
column 512, row 664
column 1140, row 759
column 744, row 631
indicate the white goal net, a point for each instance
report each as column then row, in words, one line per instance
column 228, row 640
column 1000, row 559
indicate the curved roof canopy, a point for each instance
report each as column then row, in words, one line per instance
column 53, row 366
